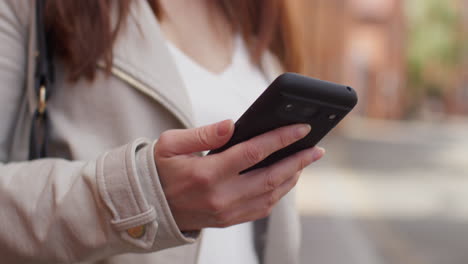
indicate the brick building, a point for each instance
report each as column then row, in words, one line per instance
column 360, row 43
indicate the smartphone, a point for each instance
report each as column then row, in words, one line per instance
column 291, row 99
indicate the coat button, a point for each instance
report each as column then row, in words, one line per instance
column 137, row 231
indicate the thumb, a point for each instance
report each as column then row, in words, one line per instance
column 187, row 141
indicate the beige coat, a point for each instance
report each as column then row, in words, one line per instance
column 56, row 210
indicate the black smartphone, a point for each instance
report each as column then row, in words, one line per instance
column 293, row 99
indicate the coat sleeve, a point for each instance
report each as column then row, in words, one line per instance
column 53, row 210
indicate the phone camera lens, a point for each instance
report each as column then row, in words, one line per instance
column 332, row 116
column 289, row 107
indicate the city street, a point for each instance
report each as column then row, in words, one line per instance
column 388, row 192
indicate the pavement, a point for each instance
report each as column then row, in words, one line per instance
column 388, row 192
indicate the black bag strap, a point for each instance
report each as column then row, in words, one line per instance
column 43, row 81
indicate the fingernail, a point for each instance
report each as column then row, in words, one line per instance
column 302, row 131
column 318, row 153
column 313, row 154
column 223, row 128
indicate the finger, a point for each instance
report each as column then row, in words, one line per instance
column 187, row 141
column 246, row 154
column 269, row 178
column 264, row 180
column 257, row 208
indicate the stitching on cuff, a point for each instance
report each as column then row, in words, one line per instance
column 102, row 186
column 140, row 219
column 132, row 174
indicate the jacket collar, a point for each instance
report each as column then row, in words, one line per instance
column 141, row 53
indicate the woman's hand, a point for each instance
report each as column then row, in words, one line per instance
column 209, row 192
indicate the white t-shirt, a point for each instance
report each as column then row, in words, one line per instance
column 216, row 97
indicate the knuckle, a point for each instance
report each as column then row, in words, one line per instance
column 217, row 206
column 202, row 137
column 284, row 140
column 271, row 200
column 271, row 182
column 204, row 178
column 252, row 153
column 302, row 164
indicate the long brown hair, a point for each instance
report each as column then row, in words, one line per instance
column 82, row 31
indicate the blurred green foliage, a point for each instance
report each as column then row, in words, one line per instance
column 434, row 46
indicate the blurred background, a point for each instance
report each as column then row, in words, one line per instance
column 393, row 187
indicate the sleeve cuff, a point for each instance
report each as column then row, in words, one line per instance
column 129, row 185
column 169, row 231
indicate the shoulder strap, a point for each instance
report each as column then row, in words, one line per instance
column 43, row 80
